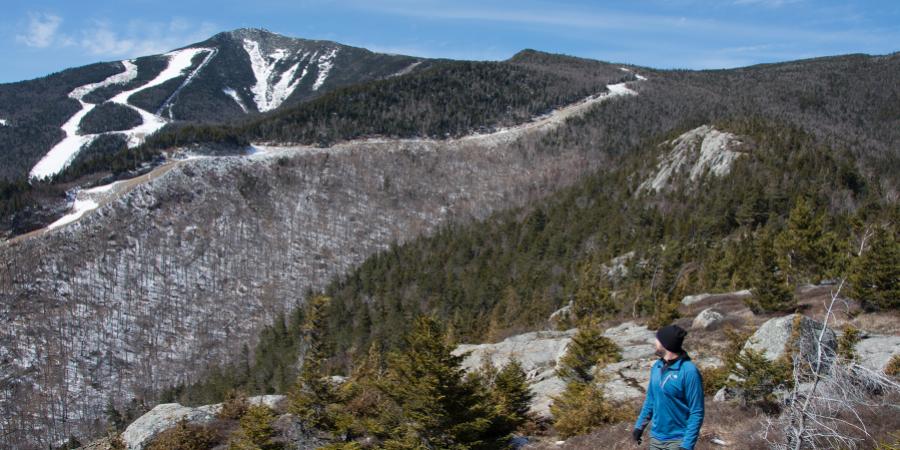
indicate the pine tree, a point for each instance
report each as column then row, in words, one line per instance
column 313, row 392
column 588, row 348
column 438, row 406
column 592, row 297
column 582, row 407
column 804, row 245
column 875, row 274
column 512, row 395
column 256, row 431
column 770, row 291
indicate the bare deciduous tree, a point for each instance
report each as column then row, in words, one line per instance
column 831, row 395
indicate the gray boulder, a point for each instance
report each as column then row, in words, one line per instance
column 707, row 318
column 691, row 299
column 875, row 351
column 538, row 352
column 772, row 337
column 167, row 415
column 163, row 417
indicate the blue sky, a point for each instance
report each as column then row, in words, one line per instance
column 38, row 37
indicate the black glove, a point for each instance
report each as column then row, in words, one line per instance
column 636, row 434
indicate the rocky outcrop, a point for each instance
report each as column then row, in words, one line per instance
column 693, row 154
column 773, row 337
column 167, row 415
column 163, row 417
column 707, row 318
column 539, row 352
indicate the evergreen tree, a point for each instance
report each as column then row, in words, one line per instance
column 438, row 406
column 113, row 416
column 256, row 431
column 582, row 407
column 592, row 296
column 804, row 245
column 588, row 348
column 875, row 274
column 770, row 291
column 512, row 395
column 313, row 392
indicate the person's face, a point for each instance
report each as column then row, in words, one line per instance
column 660, row 350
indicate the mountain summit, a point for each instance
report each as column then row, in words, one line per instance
column 50, row 120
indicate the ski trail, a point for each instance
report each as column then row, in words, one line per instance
column 179, row 61
column 167, row 105
column 61, row 155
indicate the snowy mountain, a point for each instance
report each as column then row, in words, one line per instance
column 229, row 76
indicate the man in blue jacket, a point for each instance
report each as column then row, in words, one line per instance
column 674, row 403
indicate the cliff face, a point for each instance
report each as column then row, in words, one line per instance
column 181, row 268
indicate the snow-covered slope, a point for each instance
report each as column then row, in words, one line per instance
column 276, row 73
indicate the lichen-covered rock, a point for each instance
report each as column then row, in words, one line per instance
column 774, row 335
column 707, row 318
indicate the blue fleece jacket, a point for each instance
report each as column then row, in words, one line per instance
column 674, row 403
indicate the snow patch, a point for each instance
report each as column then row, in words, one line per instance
column 406, row 69
column 701, row 150
column 237, row 98
column 79, row 208
column 271, row 88
column 326, row 62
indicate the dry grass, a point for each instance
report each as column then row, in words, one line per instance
column 738, row 427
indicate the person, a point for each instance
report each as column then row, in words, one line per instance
column 674, row 402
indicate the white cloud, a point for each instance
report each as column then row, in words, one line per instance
column 105, row 39
column 140, row 37
column 42, row 30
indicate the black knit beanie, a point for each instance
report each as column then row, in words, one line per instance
column 671, row 337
